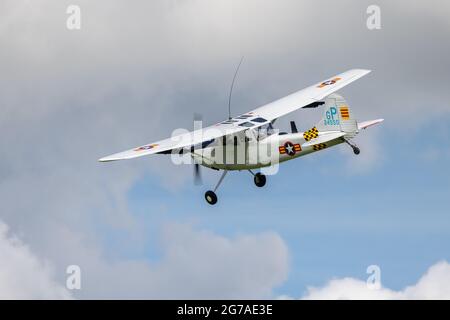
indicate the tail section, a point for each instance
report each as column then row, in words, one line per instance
column 366, row 124
column 337, row 116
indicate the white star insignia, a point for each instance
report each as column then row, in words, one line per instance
column 289, row 148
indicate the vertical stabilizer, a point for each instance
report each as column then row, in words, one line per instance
column 337, row 116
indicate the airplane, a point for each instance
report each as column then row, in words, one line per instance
column 249, row 141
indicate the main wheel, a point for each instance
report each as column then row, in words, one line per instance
column 210, row 197
column 356, row 150
column 260, row 180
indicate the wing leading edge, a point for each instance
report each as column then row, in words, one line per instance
column 309, row 95
column 253, row 119
column 176, row 142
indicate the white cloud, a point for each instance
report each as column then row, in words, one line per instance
column 434, row 284
column 22, row 274
column 193, row 264
column 212, row 266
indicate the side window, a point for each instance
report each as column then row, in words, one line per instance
column 259, row 120
column 244, row 116
column 246, row 124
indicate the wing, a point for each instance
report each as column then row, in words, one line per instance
column 180, row 141
column 309, row 96
column 263, row 115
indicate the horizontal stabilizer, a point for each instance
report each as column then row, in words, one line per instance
column 325, row 137
column 366, row 124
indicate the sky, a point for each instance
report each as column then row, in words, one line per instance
column 136, row 71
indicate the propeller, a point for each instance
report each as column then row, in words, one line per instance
column 197, row 173
column 198, row 120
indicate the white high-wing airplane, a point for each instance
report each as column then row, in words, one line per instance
column 249, row 141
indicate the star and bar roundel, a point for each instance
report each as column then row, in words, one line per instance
column 290, row 148
column 147, row 147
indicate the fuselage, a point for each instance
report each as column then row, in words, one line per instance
column 243, row 153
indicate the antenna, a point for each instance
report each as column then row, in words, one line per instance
column 231, row 88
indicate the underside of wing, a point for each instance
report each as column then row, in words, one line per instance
column 176, row 142
column 309, row 97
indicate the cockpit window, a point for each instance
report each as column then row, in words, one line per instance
column 259, row 120
column 265, row 130
column 246, row 124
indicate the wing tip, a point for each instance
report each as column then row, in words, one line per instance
column 105, row 159
column 113, row 157
column 119, row 156
column 362, row 71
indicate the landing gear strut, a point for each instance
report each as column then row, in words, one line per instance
column 259, row 179
column 353, row 146
column 210, row 196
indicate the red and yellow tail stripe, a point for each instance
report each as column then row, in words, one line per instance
column 345, row 115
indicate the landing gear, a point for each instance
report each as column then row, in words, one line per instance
column 259, row 179
column 210, row 196
column 356, row 150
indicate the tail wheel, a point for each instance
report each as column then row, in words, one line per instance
column 260, row 180
column 211, row 197
column 356, row 150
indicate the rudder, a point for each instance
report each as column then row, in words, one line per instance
column 337, row 116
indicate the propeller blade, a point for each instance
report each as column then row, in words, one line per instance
column 197, row 174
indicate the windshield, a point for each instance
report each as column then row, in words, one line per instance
column 265, row 131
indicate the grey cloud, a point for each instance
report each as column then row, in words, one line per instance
column 195, row 264
column 135, row 72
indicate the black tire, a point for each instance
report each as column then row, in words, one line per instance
column 210, row 197
column 260, row 180
column 356, row 150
